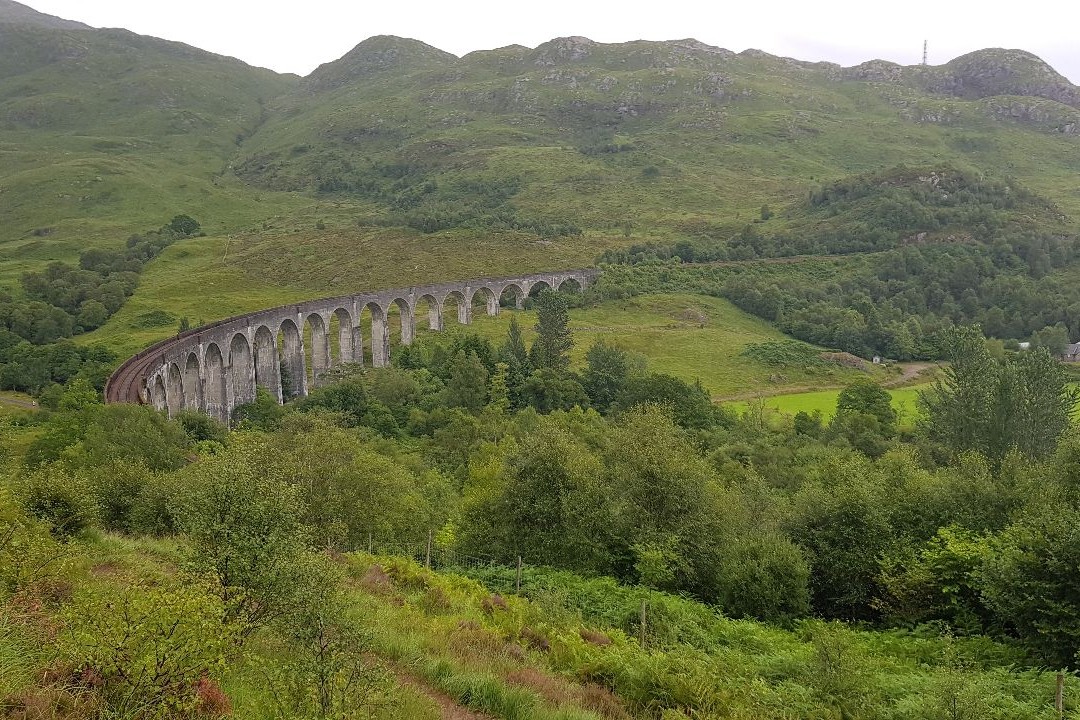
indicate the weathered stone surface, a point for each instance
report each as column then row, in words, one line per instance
column 215, row 368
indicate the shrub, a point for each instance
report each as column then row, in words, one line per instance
column 60, row 498
column 117, row 489
column 27, row 551
column 246, row 532
column 784, row 353
column 150, row 649
column 764, row 576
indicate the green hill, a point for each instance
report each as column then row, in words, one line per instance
column 399, row 163
column 657, row 137
column 104, row 132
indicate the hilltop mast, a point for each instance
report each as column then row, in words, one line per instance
column 924, row 52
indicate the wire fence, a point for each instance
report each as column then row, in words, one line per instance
column 435, row 557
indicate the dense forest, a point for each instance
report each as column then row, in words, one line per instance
column 500, row 451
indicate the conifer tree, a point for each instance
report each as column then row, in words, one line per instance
column 499, row 390
column 468, row 383
column 513, row 350
column 551, row 349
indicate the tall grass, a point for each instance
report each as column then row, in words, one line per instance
column 18, row 655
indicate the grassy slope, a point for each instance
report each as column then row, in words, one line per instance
column 726, row 134
column 215, row 277
column 429, row 634
column 690, row 336
column 104, row 133
column 129, row 131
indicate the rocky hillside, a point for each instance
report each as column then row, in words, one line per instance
column 659, row 135
column 104, row 132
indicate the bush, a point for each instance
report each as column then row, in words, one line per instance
column 117, row 489
column 27, row 551
column 1032, row 582
column 60, row 498
column 200, row 427
column 150, row 649
column 764, row 576
column 246, row 531
column 784, row 353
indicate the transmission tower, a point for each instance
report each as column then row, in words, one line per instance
column 924, row 52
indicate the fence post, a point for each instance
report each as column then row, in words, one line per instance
column 1059, row 696
column 369, row 545
column 518, row 583
column 427, row 558
column 643, row 623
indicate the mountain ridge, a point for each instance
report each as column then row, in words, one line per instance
column 104, row 133
column 13, row 12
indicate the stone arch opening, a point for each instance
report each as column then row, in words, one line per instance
column 570, row 285
column 484, row 300
column 157, row 393
column 462, row 309
column 571, row 290
column 174, row 390
column 428, row 305
column 344, row 340
column 291, row 361
column 512, row 296
column 267, row 367
column 538, row 287
column 193, row 394
column 241, row 375
column 401, row 323
column 317, row 346
column 215, row 401
column 373, row 326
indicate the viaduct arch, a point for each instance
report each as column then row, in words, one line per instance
column 217, row 367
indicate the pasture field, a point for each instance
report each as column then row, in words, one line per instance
column 693, row 337
column 905, row 401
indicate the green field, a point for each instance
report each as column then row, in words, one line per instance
column 905, row 400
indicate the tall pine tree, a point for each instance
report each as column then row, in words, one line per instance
column 1022, row 403
column 551, row 349
column 518, row 367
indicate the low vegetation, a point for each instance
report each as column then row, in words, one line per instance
column 680, row 559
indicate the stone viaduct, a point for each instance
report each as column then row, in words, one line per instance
column 215, row 368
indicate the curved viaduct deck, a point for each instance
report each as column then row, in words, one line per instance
column 216, row 367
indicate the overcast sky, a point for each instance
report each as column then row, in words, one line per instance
column 298, row 36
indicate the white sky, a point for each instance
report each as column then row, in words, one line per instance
column 298, row 36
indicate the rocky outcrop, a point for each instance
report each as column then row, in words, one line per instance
column 981, row 74
column 379, row 55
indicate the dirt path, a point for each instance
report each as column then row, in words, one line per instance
column 448, row 708
column 15, row 402
column 909, row 373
